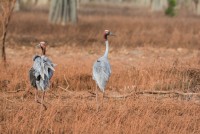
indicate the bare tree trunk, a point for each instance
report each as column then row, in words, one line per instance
column 73, row 11
column 197, row 6
column 3, row 51
column 140, row 3
column 17, row 5
column 196, row 3
column 147, row 3
column 7, row 9
column 158, row 5
column 63, row 11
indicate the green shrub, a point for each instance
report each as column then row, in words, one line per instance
column 170, row 11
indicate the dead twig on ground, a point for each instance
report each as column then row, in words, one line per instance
column 149, row 93
column 15, row 91
column 65, row 89
column 167, row 92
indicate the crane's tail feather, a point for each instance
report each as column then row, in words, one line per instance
column 49, row 66
column 54, row 64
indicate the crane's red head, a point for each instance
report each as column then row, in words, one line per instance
column 42, row 45
column 106, row 33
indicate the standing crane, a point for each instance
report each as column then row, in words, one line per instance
column 101, row 68
column 41, row 72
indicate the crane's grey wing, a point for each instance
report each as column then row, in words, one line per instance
column 43, row 69
column 38, row 66
column 43, row 66
column 32, row 77
column 49, row 67
column 101, row 68
column 101, row 72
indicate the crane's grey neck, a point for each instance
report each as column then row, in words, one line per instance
column 107, row 49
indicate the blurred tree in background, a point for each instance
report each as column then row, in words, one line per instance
column 197, row 6
column 63, row 11
column 17, row 5
column 153, row 5
column 170, row 11
column 158, row 5
column 6, row 8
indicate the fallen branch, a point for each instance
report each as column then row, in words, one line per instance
column 148, row 92
column 119, row 95
column 92, row 93
column 15, row 91
column 167, row 92
column 113, row 96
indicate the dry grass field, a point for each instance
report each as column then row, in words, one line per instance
column 154, row 86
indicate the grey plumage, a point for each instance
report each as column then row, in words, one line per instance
column 41, row 72
column 101, row 72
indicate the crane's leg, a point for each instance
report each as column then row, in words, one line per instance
column 97, row 98
column 103, row 98
column 43, row 95
column 36, row 97
column 42, row 101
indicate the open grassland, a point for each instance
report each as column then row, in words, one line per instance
column 154, row 86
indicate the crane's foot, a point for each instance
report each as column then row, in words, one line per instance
column 42, row 104
column 38, row 101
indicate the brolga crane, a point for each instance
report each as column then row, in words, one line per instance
column 102, row 69
column 41, row 72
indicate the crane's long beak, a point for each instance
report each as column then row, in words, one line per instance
column 112, row 34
